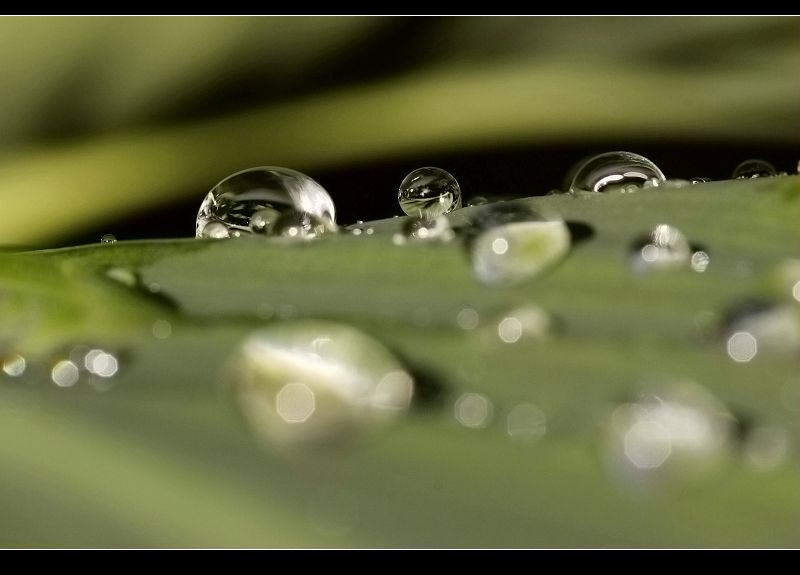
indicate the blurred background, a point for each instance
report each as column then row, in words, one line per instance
column 121, row 125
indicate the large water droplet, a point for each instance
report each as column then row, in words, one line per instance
column 516, row 244
column 754, row 169
column 678, row 431
column 437, row 229
column 429, row 192
column 615, row 169
column 664, row 247
column 239, row 198
column 311, row 383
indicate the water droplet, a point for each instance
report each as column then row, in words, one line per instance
column 700, row 260
column 301, row 225
column 65, row 373
column 700, row 180
column 14, row 365
column 755, row 327
column 513, row 245
column 477, row 201
column 429, row 192
column 248, row 201
column 528, row 321
column 108, row 239
column 664, row 247
column 473, row 410
column 467, row 318
column 766, row 447
column 309, row 383
column 435, row 229
column 615, row 169
column 526, row 423
column 125, row 276
column 161, row 329
column 215, row 230
column 754, row 169
column 678, row 431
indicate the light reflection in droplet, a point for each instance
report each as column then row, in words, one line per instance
column 161, row 329
column 14, row 365
column 101, row 363
column 295, row 402
column 473, row 410
column 648, row 444
column 500, row 246
column 65, row 373
column 526, row 423
column 467, row 318
column 509, row 329
column 766, row 447
column 796, row 291
column 742, row 346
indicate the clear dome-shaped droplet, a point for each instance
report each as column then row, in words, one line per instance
column 238, row 198
column 700, row 180
column 511, row 243
column 108, row 239
column 615, row 169
column 429, row 192
column 664, row 247
column 754, row 169
column 314, row 382
column 436, row 229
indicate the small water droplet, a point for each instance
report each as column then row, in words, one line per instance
column 214, row 230
column 754, row 169
column 615, row 169
column 261, row 222
column 664, row 247
column 429, row 192
column 415, row 229
column 477, row 201
column 766, row 447
column 473, row 410
column 700, row 180
column 14, row 365
column 125, row 276
column 161, row 329
column 65, row 373
column 700, row 260
column 310, row 383
column 678, row 431
column 512, row 244
column 238, row 202
column 526, row 423
column 754, row 327
column 108, row 239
